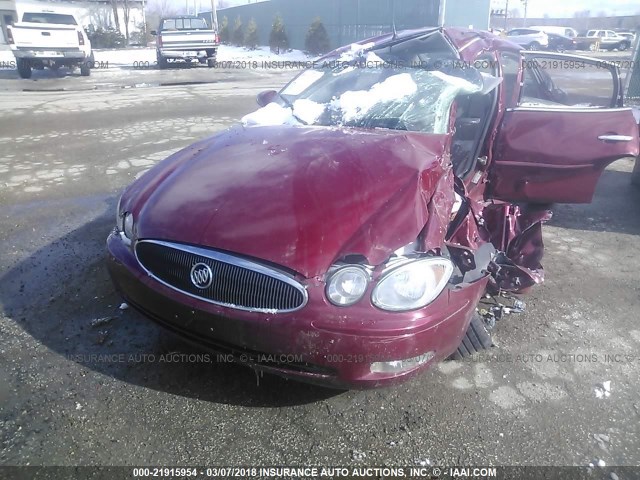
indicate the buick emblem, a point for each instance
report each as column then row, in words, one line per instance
column 201, row 275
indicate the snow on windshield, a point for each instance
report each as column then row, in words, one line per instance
column 401, row 99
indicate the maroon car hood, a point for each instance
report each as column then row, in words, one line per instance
column 298, row 197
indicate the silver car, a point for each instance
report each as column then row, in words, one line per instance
column 529, row 38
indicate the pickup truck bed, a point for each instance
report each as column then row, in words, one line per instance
column 185, row 38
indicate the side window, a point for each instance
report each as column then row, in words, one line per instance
column 569, row 83
column 510, row 67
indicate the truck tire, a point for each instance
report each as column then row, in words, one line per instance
column 24, row 68
column 162, row 62
column 85, row 68
column 476, row 339
column 211, row 57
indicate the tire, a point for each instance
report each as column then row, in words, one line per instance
column 24, row 68
column 211, row 57
column 623, row 46
column 85, row 68
column 593, row 47
column 533, row 46
column 635, row 176
column 475, row 340
column 162, row 62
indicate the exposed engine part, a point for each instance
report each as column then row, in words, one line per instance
column 495, row 307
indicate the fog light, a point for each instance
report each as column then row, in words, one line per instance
column 400, row 366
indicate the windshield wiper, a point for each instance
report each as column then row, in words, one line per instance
column 289, row 105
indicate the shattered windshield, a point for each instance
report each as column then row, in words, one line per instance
column 373, row 93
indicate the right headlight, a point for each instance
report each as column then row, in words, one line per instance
column 412, row 285
column 347, row 285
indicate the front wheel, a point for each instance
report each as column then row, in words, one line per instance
column 24, row 68
column 623, row 46
column 534, row 46
column 476, row 339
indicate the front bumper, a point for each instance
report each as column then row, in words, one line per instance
column 319, row 344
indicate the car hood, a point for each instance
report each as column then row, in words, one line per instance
column 300, row 197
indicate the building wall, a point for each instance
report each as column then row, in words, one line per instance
column 346, row 21
column 468, row 13
column 7, row 16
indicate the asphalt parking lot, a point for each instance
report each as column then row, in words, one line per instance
column 83, row 382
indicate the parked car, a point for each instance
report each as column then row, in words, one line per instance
column 560, row 43
column 47, row 39
column 610, row 40
column 558, row 30
column 346, row 232
column 629, row 35
column 529, row 38
column 185, row 38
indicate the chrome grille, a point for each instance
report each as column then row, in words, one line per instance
column 237, row 282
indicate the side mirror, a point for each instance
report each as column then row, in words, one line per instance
column 266, row 97
column 153, row 32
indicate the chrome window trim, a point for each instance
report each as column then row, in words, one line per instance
column 569, row 109
column 231, row 260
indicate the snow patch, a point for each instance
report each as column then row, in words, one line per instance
column 270, row 115
column 307, row 110
column 355, row 49
column 354, row 104
column 603, row 390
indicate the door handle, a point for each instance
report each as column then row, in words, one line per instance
column 615, row 138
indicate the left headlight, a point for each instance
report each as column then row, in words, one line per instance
column 412, row 285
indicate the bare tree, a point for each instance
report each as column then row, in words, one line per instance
column 125, row 13
column 116, row 17
column 100, row 16
column 161, row 8
column 582, row 14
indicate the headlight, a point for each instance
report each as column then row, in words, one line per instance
column 412, row 285
column 119, row 218
column 347, row 285
column 128, row 225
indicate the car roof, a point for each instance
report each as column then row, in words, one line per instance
column 467, row 41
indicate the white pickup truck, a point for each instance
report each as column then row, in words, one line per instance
column 185, row 38
column 48, row 39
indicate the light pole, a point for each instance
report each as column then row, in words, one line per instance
column 526, row 5
column 506, row 15
column 442, row 13
column 214, row 15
